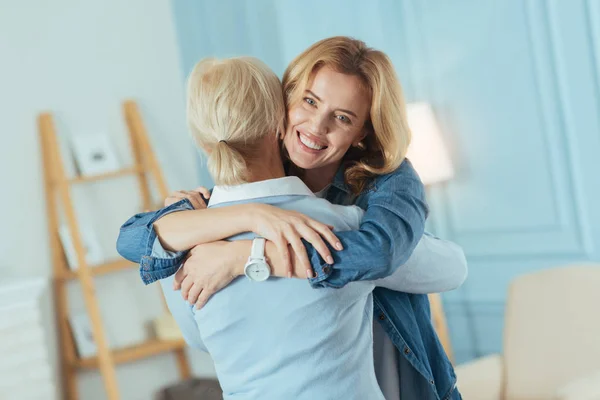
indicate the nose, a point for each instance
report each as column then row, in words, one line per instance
column 318, row 124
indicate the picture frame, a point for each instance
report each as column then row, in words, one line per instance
column 93, row 250
column 94, row 154
column 83, row 335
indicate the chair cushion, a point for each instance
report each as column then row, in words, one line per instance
column 584, row 388
column 552, row 330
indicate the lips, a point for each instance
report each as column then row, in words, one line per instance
column 308, row 143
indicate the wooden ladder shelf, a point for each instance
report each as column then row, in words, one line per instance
column 58, row 192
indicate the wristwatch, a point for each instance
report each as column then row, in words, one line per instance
column 257, row 268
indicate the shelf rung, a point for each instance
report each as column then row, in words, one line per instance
column 147, row 349
column 102, row 269
column 109, row 175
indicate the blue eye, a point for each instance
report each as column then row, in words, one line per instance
column 343, row 118
column 310, row 101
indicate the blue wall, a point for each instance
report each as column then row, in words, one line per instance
column 516, row 87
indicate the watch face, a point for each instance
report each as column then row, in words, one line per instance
column 258, row 271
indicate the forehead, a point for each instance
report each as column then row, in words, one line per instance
column 339, row 90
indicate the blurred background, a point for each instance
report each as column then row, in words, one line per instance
column 514, row 86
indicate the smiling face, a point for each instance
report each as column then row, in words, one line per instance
column 329, row 118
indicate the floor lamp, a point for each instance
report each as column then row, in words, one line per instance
column 431, row 160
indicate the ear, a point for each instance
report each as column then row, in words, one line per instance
column 281, row 130
column 361, row 137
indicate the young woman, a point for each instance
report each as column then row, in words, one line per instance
column 346, row 137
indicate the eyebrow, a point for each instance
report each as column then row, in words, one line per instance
column 339, row 109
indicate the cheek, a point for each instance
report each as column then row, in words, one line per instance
column 343, row 147
column 288, row 140
column 344, row 141
column 296, row 116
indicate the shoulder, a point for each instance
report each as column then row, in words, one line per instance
column 403, row 179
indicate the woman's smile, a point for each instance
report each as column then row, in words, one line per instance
column 310, row 143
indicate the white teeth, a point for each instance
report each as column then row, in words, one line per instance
column 310, row 144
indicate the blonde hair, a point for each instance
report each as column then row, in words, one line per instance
column 232, row 105
column 388, row 134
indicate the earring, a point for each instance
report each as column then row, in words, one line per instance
column 361, row 146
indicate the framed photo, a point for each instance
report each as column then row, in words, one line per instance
column 93, row 250
column 94, row 154
column 83, row 335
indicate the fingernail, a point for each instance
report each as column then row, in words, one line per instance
column 289, row 274
column 309, row 273
column 329, row 260
column 338, row 246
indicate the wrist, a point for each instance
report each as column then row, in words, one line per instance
column 251, row 216
column 240, row 251
column 244, row 217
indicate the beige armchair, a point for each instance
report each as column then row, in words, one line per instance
column 551, row 341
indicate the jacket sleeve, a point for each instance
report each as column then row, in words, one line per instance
column 137, row 243
column 393, row 224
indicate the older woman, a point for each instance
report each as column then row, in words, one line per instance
column 346, row 137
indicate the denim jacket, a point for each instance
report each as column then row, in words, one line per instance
column 395, row 213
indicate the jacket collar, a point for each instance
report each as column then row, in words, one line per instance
column 339, row 181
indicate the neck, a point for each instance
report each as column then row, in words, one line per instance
column 267, row 165
column 264, row 172
column 317, row 179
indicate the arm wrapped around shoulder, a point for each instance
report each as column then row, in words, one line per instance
column 136, row 236
column 393, row 224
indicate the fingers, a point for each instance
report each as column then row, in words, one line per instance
column 186, row 285
column 171, row 199
column 203, row 298
column 282, row 247
column 300, row 251
column 178, row 278
column 194, row 198
column 193, row 294
column 317, row 241
column 203, row 191
column 192, row 195
column 326, row 231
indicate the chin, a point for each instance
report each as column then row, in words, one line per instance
column 304, row 164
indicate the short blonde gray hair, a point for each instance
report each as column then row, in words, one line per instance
column 232, row 105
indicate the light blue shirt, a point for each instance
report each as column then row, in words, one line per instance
column 262, row 336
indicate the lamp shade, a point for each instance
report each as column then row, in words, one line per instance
column 427, row 151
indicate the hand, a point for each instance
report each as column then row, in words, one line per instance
column 194, row 196
column 199, row 278
column 284, row 227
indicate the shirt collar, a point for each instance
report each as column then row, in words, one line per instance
column 286, row 186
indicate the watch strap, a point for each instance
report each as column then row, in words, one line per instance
column 258, row 248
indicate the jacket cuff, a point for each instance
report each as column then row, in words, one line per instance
column 153, row 269
column 323, row 271
column 158, row 263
